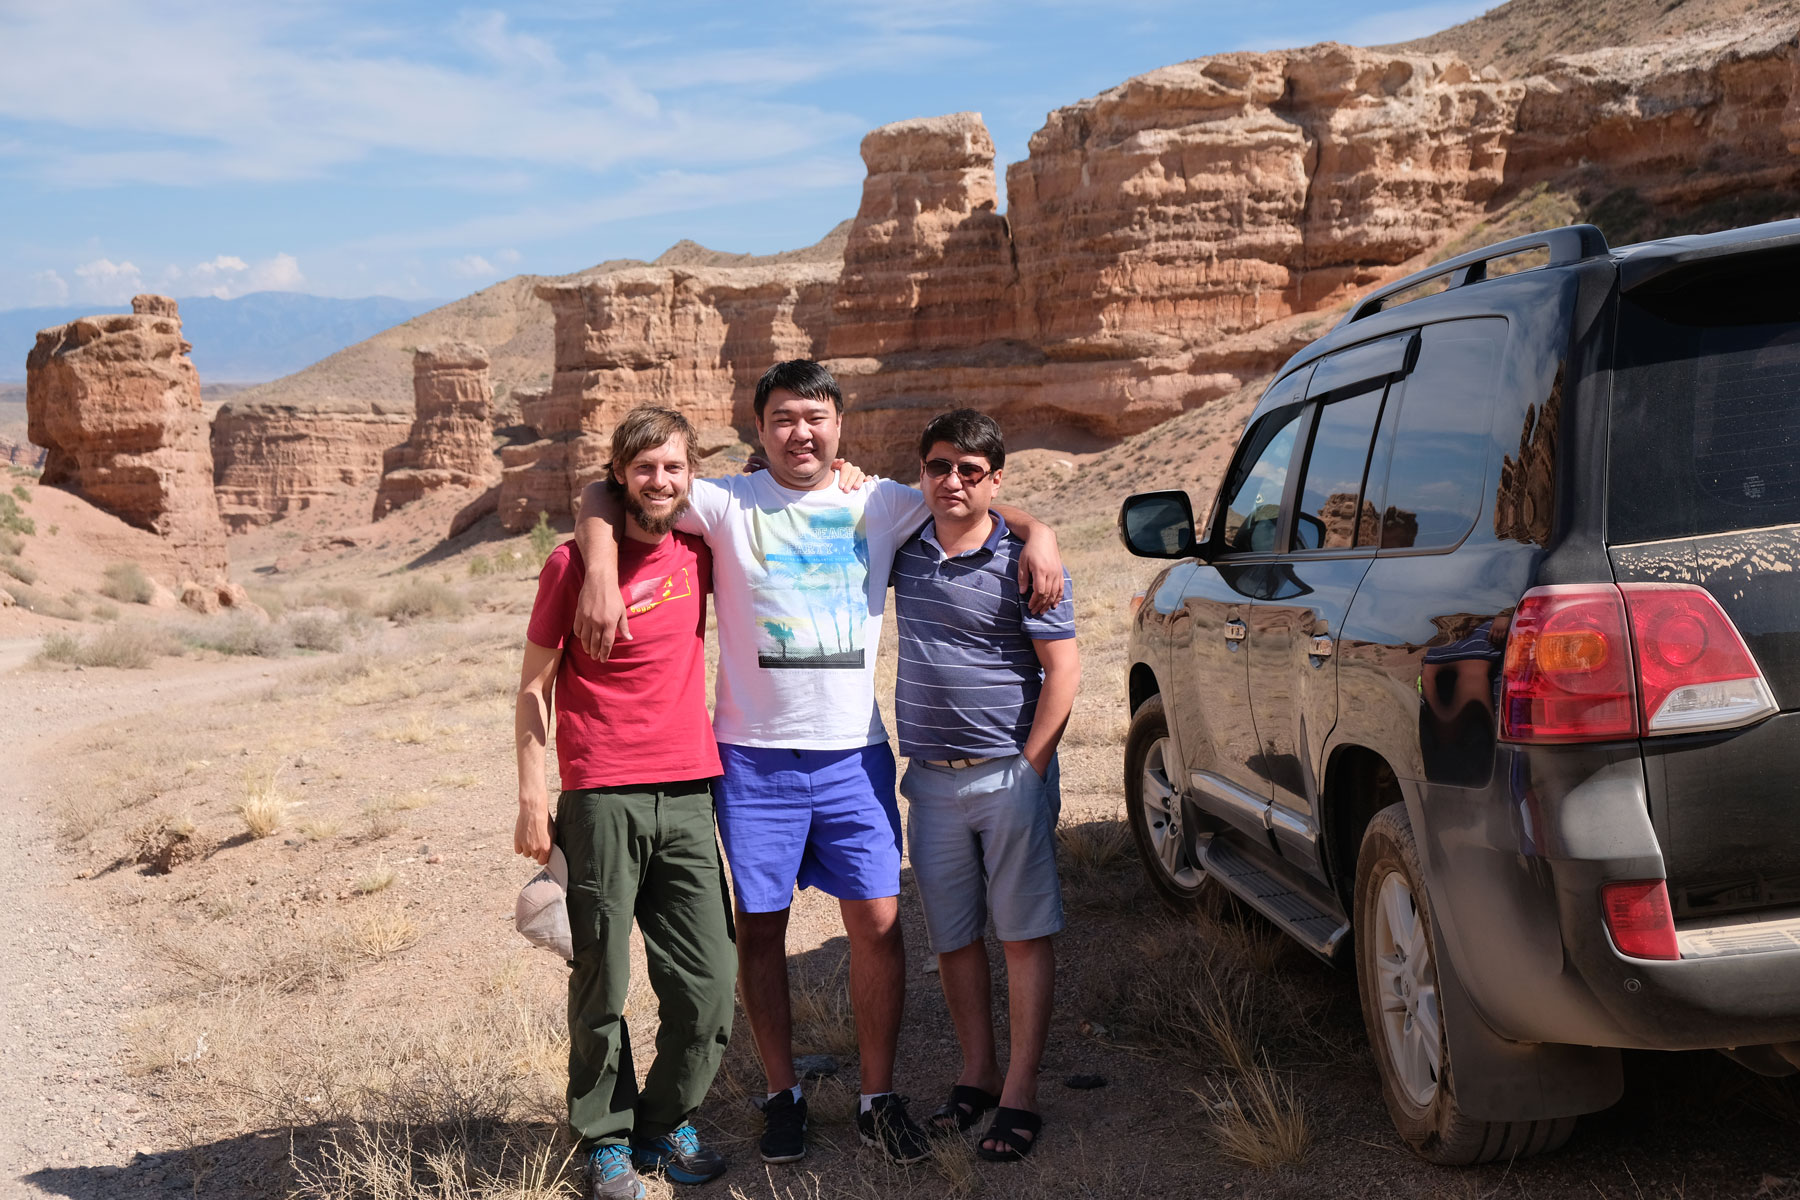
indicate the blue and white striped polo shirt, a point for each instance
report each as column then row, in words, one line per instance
column 969, row 677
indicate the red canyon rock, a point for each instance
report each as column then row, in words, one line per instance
column 450, row 443
column 115, row 402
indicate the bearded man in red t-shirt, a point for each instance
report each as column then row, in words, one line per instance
column 636, row 757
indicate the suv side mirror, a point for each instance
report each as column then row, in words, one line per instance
column 1158, row 525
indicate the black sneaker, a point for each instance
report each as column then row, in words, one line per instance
column 607, row 1175
column 679, row 1155
column 784, row 1128
column 888, row 1127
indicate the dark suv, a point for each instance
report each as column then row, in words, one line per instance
column 1489, row 654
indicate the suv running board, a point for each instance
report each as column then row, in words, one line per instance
column 1298, row 915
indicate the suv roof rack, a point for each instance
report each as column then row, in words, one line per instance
column 1569, row 244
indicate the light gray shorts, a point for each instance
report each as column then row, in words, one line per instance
column 983, row 840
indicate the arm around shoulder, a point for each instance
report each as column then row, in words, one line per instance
column 600, row 615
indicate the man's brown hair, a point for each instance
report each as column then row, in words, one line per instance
column 645, row 428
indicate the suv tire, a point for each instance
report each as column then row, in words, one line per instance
column 1153, row 808
column 1396, row 971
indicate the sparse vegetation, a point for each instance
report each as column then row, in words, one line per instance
column 317, row 828
column 264, row 808
column 21, row 571
column 13, row 520
column 382, row 933
column 237, row 634
column 383, row 817
column 543, row 539
column 127, row 583
column 134, row 647
column 480, row 565
column 268, row 597
column 31, row 599
column 423, row 599
column 377, row 878
column 315, row 631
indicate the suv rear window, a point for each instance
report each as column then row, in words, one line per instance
column 1706, row 406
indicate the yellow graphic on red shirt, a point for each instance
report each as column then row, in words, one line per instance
column 645, row 595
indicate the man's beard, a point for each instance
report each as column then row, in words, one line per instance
column 655, row 526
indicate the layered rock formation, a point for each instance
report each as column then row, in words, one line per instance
column 696, row 339
column 115, row 402
column 450, row 443
column 1166, row 241
column 272, row 459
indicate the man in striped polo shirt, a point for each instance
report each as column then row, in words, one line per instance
column 984, row 691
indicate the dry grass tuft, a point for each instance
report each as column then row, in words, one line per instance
column 378, row 878
column 127, row 583
column 1261, row 1120
column 383, row 817
column 382, row 933
column 415, row 731
column 823, row 1020
column 264, row 808
column 408, row 801
column 423, row 600
column 131, row 647
column 318, row 828
column 459, row 779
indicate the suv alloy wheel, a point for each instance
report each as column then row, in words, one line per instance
column 1396, row 971
column 1153, row 807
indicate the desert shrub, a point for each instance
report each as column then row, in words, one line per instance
column 20, row 571
column 11, row 543
column 423, row 599
column 21, row 493
column 43, row 603
column 127, row 583
column 105, row 610
column 237, row 634
column 134, row 647
column 480, row 565
column 263, row 807
column 268, row 598
column 315, row 631
column 543, row 539
column 60, row 648
column 12, row 519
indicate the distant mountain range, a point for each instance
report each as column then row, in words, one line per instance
column 253, row 338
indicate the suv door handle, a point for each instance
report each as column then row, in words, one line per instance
column 1236, row 630
column 1321, row 647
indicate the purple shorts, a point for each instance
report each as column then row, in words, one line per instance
column 808, row 818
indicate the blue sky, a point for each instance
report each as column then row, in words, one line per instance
column 217, row 147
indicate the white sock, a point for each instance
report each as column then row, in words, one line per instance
column 869, row 1099
column 793, row 1091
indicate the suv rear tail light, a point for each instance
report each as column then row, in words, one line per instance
column 1638, row 917
column 1575, row 674
column 1568, row 667
column 1694, row 671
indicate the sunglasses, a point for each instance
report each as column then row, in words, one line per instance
column 971, row 474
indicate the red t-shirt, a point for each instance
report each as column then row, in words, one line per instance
column 640, row 717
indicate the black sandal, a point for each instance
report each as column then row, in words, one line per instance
column 965, row 1106
column 1014, row 1132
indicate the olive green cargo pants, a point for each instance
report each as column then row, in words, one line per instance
column 648, row 853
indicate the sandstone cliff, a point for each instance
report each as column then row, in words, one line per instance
column 115, row 402
column 450, row 443
column 1166, row 242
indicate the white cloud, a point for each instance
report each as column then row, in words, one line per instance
column 108, row 282
column 253, row 92
column 50, row 288
column 507, row 257
column 278, row 274
column 472, row 266
column 226, row 276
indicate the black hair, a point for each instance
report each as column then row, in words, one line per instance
column 801, row 376
column 970, row 431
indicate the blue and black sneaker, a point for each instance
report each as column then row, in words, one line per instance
column 608, row 1176
column 679, row 1155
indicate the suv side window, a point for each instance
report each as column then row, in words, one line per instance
column 1435, row 438
column 1332, row 509
column 1251, row 499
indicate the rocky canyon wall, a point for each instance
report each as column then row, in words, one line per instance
column 450, row 443
column 1165, row 242
column 115, row 402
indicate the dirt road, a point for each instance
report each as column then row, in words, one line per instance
column 72, row 1123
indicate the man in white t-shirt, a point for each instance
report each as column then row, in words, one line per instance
column 800, row 579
